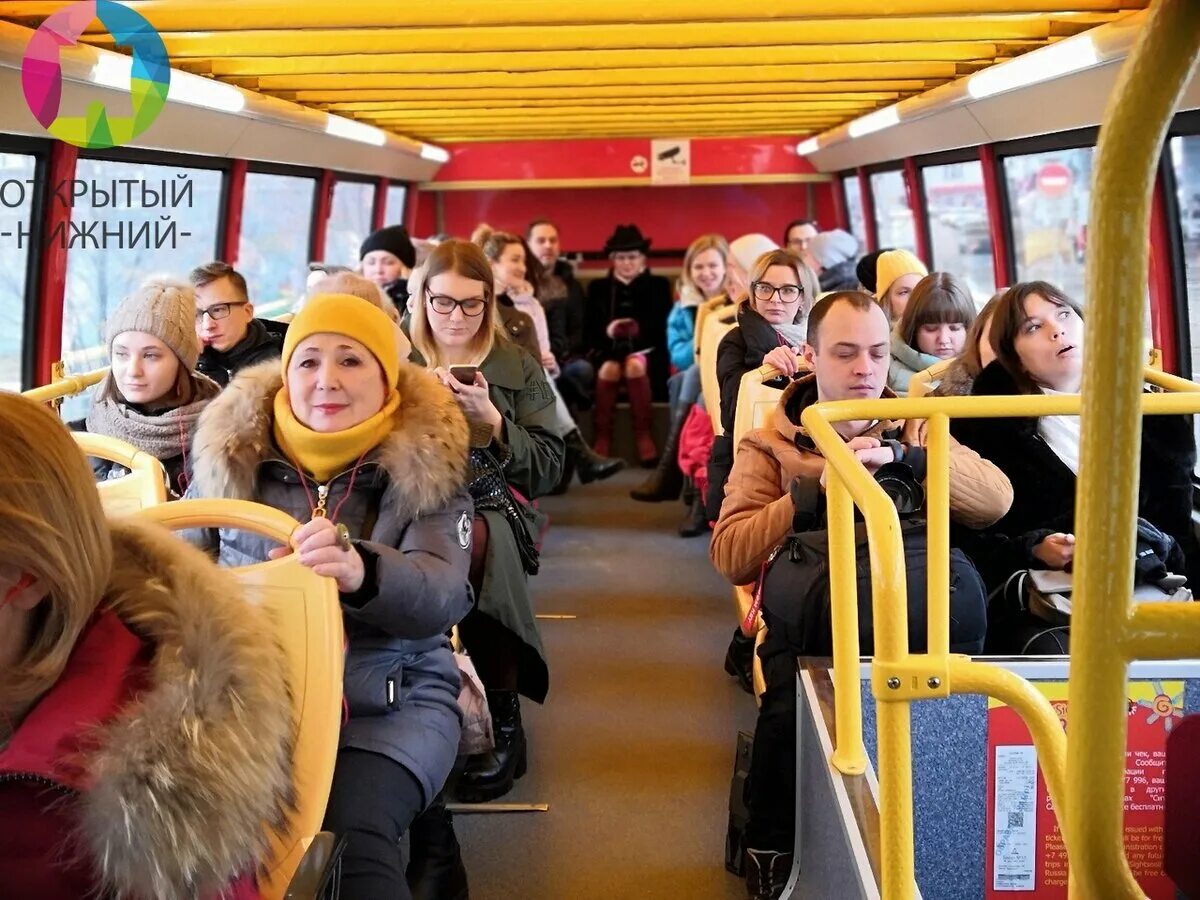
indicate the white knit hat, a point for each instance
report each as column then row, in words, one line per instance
column 749, row 247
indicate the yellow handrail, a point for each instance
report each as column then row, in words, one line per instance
column 1157, row 631
column 1148, row 89
column 66, row 386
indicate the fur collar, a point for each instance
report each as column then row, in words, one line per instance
column 187, row 774
column 425, row 456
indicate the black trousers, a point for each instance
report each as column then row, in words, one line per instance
column 372, row 802
column 770, row 791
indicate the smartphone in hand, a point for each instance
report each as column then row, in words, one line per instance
column 464, row 374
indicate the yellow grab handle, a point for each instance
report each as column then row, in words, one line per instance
column 264, row 520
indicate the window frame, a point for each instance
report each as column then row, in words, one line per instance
column 39, row 149
column 897, row 166
column 958, row 156
column 408, row 186
column 843, row 177
column 355, row 178
column 1185, row 124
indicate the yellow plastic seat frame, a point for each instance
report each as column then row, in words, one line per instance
column 922, row 382
column 145, row 485
column 308, row 621
column 716, row 326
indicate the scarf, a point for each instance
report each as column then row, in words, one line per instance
column 163, row 435
column 795, row 334
column 325, row 454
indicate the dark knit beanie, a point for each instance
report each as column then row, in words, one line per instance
column 395, row 240
column 866, row 270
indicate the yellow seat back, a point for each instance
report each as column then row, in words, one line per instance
column 145, row 485
column 308, row 620
column 716, row 326
column 703, row 311
column 922, row 383
column 756, row 401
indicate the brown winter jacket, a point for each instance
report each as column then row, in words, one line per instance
column 758, row 510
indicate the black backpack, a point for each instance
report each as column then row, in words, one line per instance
column 795, row 592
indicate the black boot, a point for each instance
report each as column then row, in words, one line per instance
column 696, row 520
column 589, row 464
column 435, row 869
column 767, row 873
column 491, row 775
column 739, row 660
column 666, row 481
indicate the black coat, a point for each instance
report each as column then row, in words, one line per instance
column 842, row 277
column 518, row 327
column 1044, row 486
column 741, row 350
column 647, row 300
column 261, row 343
column 564, row 316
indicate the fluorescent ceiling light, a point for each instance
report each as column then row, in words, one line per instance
column 1042, row 64
column 114, row 71
column 192, row 89
column 434, row 154
column 355, row 131
column 806, row 147
column 876, row 121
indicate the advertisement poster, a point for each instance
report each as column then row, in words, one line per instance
column 1026, row 856
column 670, row 162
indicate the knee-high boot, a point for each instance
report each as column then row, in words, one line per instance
column 602, row 415
column 666, row 481
column 641, row 405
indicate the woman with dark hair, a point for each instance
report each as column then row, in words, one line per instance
column 1037, row 333
column 626, row 328
column 977, row 352
column 933, row 328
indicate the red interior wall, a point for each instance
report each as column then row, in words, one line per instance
column 670, row 216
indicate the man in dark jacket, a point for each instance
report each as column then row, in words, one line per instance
column 230, row 335
column 562, row 296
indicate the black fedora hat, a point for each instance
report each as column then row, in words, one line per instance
column 625, row 239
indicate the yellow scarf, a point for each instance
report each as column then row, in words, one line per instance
column 322, row 454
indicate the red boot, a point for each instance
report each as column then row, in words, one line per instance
column 602, row 415
column 642, row 407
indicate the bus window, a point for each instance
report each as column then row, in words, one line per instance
column 893, row 216
column 16, row 201
column 854, row 209
column 273, row 246
column 1185, row 156
column 961, row 241
column 397, row 195
column 113, row 245
column 1048, row 195
column 349, row 221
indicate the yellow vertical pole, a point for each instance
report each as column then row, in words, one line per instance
column 849, row 757
column 937, row 483
column 1148, row 88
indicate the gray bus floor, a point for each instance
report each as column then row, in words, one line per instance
column 634, row 748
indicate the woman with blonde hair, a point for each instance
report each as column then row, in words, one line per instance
column 152, row 396
column 896, row 274
column 145, row 732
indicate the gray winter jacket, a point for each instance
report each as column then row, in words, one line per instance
column 410, row 518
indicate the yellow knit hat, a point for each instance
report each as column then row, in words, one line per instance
column 892, row 265
column 353, row 317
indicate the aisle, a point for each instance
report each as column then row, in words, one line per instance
column 634, row 747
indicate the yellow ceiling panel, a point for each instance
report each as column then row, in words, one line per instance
column 483, row 69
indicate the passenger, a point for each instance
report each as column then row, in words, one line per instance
column 866, row 269
column 977, row 353
column 933, row 328
column 563, row 299
column 511, row 411
column 232, row 338
column 896, row 274
column 775, row 488
column 145, row 734
column 771, row 331
column 151, row 398
column 506, row 253
column 799, row 235
column 354, row 285
column 626, row 329
column 318, row 270
column 831, row 255
column 1037, row 335
column 370, row 454
column 515, row 324
column 387, row 257
column 702, row 280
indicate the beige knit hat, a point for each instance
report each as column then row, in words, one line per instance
column 164, row 308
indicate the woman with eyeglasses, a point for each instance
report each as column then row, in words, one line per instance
column 625, row 327
column 514, row 451
column 152, row 397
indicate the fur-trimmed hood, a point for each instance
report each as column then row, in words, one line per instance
column 191, row 760
column 424, row 456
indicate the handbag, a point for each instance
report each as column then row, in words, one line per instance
column 477, row 736
column 491, row 491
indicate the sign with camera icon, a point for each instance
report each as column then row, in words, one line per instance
column 670, row 162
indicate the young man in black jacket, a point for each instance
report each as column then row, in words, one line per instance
column 231, row 337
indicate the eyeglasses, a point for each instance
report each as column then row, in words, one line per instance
column 218, row 310
column 788, row 293
column 471, row 307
